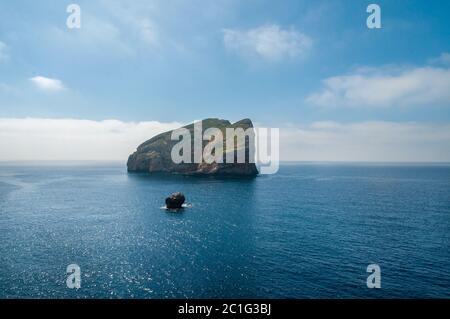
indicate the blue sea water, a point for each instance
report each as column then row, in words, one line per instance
column 309, row 231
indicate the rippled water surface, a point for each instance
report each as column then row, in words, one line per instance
column 307, row 232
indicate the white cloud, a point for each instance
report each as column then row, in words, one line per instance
column 269, row 42
column 367, row 141
column 137, row 20
column 47, row 84
column 72, row 139
column 443, row 59
column 385, row 87
column 3, row 51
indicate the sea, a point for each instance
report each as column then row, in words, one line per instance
column 309, row 231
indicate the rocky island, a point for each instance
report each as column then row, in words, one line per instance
column 175, row 201
column 154, row 155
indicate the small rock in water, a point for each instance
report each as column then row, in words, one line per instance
column 176, row 200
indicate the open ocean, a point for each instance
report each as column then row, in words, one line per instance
column 309, row 231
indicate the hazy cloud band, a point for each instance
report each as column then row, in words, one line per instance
column 73, row 139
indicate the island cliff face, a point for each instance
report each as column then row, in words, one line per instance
column 154, row 155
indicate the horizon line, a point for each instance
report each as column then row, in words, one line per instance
column 281, row 162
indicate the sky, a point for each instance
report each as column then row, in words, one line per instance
column 336, row 89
